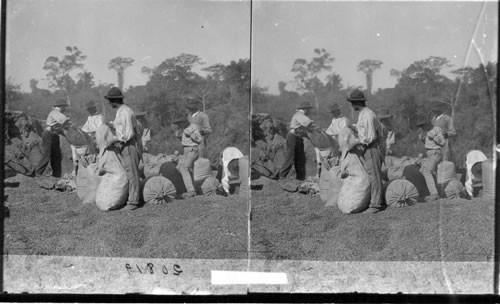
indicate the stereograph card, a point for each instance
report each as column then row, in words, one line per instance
column 235, row 147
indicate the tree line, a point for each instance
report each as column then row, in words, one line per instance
column 223, row 90
column 469, row 96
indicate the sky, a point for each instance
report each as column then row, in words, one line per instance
column 397, row 33
column 148, row 31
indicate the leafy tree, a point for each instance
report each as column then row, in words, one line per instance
column 368, row 66
column 85, row 80
column 59, row 69
column 308, row 72
column 120, row 64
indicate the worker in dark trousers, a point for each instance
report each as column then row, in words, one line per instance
column 295, row 154
column 52, row 154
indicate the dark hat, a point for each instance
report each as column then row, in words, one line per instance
column 179, row 119
column 356, row 95
column 421, row 121
column 60, row 103
column 141, row 110
column 91, row 104
column 304, row 105
column 193, row 104
column 334, row 107
column 114, row 93
column 385, row 113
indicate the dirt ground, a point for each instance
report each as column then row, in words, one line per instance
column 48, row 222
column 299, row 227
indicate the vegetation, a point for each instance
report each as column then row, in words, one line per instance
column 470, row 98
column 224, row 91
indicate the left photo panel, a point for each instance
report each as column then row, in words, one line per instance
column 126, row 145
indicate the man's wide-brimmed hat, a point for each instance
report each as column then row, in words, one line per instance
column 334, row 107
column 141, row 110
column 180, row 119
column 60, row 103
column 91, row 104
column 193, row 104
column 385, row 113
column 356, row 96
column 304, row 105
column 114, row 93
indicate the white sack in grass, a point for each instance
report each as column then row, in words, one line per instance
column 354, row 194
column 228, row 155
column 112, row 192
column 92, row 181
column 472, row 158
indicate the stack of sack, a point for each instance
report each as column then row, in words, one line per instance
column 151, row 164
column 102, row 180
column 157, row 190
column 205, row 182
column 354, row 194
column 448, row 184
column 239, row 178
column 393, row 167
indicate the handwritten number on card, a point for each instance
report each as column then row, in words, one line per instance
column 149, row 268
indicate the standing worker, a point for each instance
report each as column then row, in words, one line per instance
column 199, row 118
column 190, row 136
column 434, row 140
column 369, row 135
column 385, row 117
column 295, row 154
column 140, row 115
column 94, row 120
column 445, row 122
column 129, row 145
column 339, row 121
column 51, row 150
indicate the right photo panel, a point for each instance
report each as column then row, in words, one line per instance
column 372, row 147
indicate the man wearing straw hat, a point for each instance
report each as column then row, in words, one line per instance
column 199, row 118
column 51, row 150
column 295, row 154
column 369, row 135
column 126, row 138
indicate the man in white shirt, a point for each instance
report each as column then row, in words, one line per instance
column 94, row 120
column 56, row 121
column 369, row 135
column 295, row 154
column 338, row 121
column 127, row 143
